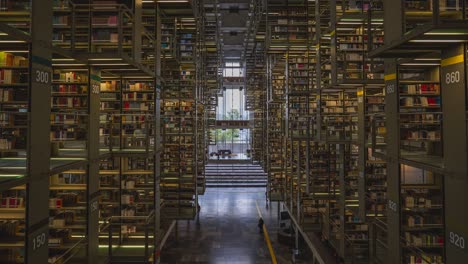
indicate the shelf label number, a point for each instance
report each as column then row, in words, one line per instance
column 390, row 88
column 452, row 77
column 392, row 205
column 95, row 88
column 39, row 241
column 94, row 206
column 42, row 77
column 457, row 240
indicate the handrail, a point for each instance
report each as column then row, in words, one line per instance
column 78, row 243
column 147, row 217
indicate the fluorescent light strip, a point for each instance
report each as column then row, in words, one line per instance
column 10, row 175
column 427, row 59
column 172, row 1
column 110, row 64
column 109, row 59
column 125, row 246
column 12, row 41
column 446, row 33
column 420, row 64
column 69, row 64
column 16, row 51
column 437, row 40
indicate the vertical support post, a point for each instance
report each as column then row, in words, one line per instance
column 362, row 143
column 93, row 166
column 157, row 136
column 393, row 165
column 454, row 101
column 38, row 149
column 298, row 195
column 333, row 40
column 342, row 148
column 393, row 26
column 137, row 30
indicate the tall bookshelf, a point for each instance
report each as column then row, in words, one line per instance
column 180, row 120
column 275, row 127
column 69, row 112
column 422, row 216
column 127, row 172
column 68, row 214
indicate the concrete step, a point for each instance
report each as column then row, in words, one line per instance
column 234, row 180
column 223, row 174
column 233, row 169
column 236, row 176
column 233, row 185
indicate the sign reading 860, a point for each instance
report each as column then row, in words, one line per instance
column 452, row 77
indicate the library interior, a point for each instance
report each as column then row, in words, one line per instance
column 233, row 131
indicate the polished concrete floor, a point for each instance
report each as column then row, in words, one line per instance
column 226, row 231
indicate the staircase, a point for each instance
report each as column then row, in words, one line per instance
column 234, row 175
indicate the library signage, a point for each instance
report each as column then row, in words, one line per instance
column 42, row 70
column 38, row 239
column 457, row 240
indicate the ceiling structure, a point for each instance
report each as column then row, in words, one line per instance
column 235, row 19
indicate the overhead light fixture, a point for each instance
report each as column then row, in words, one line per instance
column 172, row 1
column 68, row 64
column 108, row 59
column 441, row 33
column 426, row 59
column 420, row 64
column 12, row 41
column 16, row 51
column 438, row 40
column 110, row 64
column 63, row 59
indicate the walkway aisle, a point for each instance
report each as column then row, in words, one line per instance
column 227, row 231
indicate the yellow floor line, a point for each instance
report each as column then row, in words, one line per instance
column 267, row 238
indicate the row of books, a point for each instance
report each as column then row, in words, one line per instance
column 69, row 102
column 10, row 60
column 423, row 239
column 7, row 143
column 10, row 228
column 70, row 77
column 138, row 96
column 60, row 20
column 420, row 101
column 424, row 259
column 12, row 77
column 12, row 202
column 433, row 88
column 420, row 202
column 70, row 89
column 104, row 20
column 423, row 135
